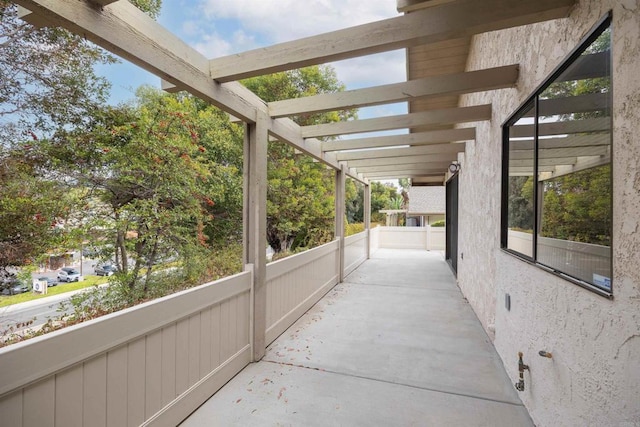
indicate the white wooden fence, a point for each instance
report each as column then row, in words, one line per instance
column 155, row 363
column 152, row 364
column 355, row 251
column 296, row 283
column 428, row 238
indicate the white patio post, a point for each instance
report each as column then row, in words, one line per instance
column 255, row 227
column 341, row 177
column 367, row 217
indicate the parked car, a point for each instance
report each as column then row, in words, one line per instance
column 50, row 281
column 105, row 270
column 14, row 287
column 68, row 274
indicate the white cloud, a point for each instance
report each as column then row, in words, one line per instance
column 284, row 20
column 372, row 70
column 259, row 23
column 213, row 45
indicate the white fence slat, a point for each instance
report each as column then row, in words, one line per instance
column 194, row 349
column 182, row 356
column 168, row 364
column 136, row 382
column 205, row 342
column 94, row 385
column 117, row 387
column 11, row 410
column 153, row 374
column 216, row 333
column 69, row 397
column 38, row 404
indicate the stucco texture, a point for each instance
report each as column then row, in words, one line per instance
column 593, row 378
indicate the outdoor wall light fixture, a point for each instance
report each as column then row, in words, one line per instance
column 454, row 167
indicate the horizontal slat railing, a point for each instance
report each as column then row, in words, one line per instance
column 296, row 283
column 152, row 364
column 355, row 251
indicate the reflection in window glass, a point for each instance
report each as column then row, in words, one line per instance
column 574, row 235
column 570, row 200
column 520, row 194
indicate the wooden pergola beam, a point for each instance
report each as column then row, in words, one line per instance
column 571, row 141
column 551, row 153
column 34, row 19
column 449, row 21
column 597, row 124
column 411, row 166
column 430, row 87
column 413, row 139
column 407, row 174
column 450, row 149
column 445, row 116
column 402, row 160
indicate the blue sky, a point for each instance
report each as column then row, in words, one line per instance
column 222, row 27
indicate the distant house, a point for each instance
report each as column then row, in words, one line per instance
column 426, row 205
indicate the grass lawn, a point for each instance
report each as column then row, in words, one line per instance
column 55, row 290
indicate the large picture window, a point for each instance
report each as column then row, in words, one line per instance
column 557, row 198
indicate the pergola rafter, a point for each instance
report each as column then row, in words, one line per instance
column 452, row 20
column 413, row 139
column 431, row 87
column 447, row 116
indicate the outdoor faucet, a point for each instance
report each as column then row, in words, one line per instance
column 521, row 368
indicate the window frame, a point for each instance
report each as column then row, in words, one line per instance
column 533, row 100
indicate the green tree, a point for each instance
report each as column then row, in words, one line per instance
column 148, row 177
column 354, row 202
column 381, row 195
column 31, row 209
column 46, row 75
column 577, row 206
column 300, row 196
column 520, row 215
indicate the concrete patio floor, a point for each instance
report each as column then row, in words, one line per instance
column 396, row 344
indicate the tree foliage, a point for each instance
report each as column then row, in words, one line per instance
column 300, row 197
column 153, row 173
column 30, row 210
column 577, row 206
column 46, row 75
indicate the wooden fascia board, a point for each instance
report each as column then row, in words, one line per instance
column 123, row 29
column 450, row 149
column 449, row 21
column 445, row 116
column 413, row 139
column 436, row 86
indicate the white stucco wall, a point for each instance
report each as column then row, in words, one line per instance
column 593, row 378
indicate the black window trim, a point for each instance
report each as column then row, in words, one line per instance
column 532, row 101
